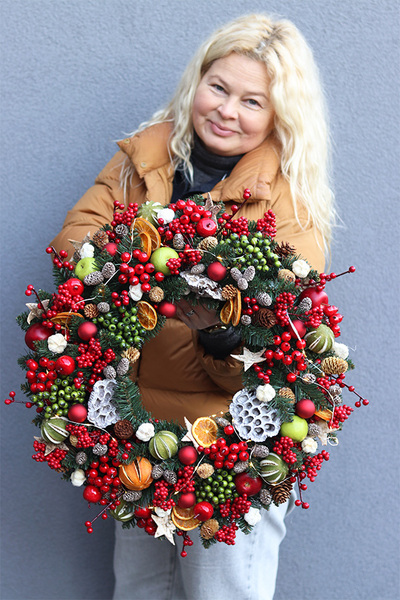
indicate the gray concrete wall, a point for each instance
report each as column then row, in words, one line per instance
column 77, row 75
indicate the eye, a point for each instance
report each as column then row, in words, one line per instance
column 217, row 87
column 253, row 103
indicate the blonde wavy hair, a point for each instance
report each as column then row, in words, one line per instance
column 296, row 96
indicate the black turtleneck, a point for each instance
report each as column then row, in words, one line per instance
column 208, row 170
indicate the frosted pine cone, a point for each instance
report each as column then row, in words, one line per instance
column 157, row 472
column 123, row 367
column 221, row 422
column 93, row 278
column 178, row 241
column 265, row 496
column 313, row 430
column 103, row 307
column 108, row 270
column 132, row 496
column 170, row 476
column 81, row 458
column 241, row 466
column 245, row 320
column 109, row 372
column 260, row 451
column 264, row 299
column 305, row 305
column 100, row 449
column 197, row 269
column 121, row 230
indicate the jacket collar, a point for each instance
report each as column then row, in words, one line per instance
column 149, row 151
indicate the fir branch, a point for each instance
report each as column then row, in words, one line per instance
column 127, row 399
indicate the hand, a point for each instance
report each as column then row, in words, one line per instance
column 196, row 317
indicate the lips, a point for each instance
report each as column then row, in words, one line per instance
column 221, row 130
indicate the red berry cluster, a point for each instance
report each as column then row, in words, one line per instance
column 185, row 481
column 104, row 476
column 227, row 534
column 239, row 226
column 146, row 523
column 240, row 506
column 250, row 306
column 53, row 459
column 284, row 447
column 174, row 264
column 187, row 541
column 125, row 217
column 64, row 300
column 161, row 493
column 340, row 414
column 314, row 317
column 283, row 303
column 267, row 225
column 185, row 223
column 92, row 357
column 189, row 256
column 39, row 380
column 59, row 260
column 312, row 464
column 283, row 352
column 225, row 455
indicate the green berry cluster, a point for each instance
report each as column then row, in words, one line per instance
column 59, row 397
column 217, row 488
column 123, row 326
column 253, row 250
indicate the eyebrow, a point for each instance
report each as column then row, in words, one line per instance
column 225, row 84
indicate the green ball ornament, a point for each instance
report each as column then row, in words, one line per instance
column 161, row 256
column 274, row 469
column 163, row 445
column 297, row 429
column 320, row 340
column 124, row 512
column 54, row 430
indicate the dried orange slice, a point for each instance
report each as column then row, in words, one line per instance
column 64, row 318
column 149, row 235
column 146, row 314
column 185, row 524
column 204, row 431
column 237, row 309
column 184, row 514
column 226, row 312
column 326, row 414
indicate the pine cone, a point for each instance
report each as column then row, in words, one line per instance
column 222, row 422
column 334, row 365
column 260, row 451
column 109, row 372
column 265, row 496
column 123, row 367
column 132, row 354
column 123, row 429
column 170, row 476
column 156, row 294
column 157, row 472
column 93, row 278
column 90, row 311
column 132, row 496
column 100, row 449
column 208, row 243
column 178, row 241
column 73, row 440
column 108, row 270
column 287, row 393
column 245, row 320
column 286, row 275
column 81, row 458
column 100, row 238
column 264, row 299
column 241, row 466
column 266, row 318
column 305, row 305
column 313, row 430
column 309, row 378
column 209, row 529
column 228, row 292
column 198, row 269
column 205, row 470
column 121, row 230
column 281, row 492
column 284, row 249
column 103, row 307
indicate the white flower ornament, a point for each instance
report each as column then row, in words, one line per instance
column 57, row 343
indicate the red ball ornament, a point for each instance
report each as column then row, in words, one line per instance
column 77, row 413
column 206, row 227
column 87, row 330
column 305, row 408
column 91, row 494
column 187, row 500
column 65, row 365
column 203, row 511
column 316, row 296
column 167, row 309
column 245, row 484
column 143, row 512
column 188, row 455
column 74, row 286
column 216, row 271
column 298, row 326
column 111, row 248
column 36, row 333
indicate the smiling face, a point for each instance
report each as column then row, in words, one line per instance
column 232, row 113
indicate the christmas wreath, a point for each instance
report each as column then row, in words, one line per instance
column 219, row 472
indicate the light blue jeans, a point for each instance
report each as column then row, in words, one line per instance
column 151, row 569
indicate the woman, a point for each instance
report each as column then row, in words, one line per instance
column 248, row 113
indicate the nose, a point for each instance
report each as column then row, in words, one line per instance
column 228, row 109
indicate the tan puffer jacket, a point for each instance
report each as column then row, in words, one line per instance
column 175, row 376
